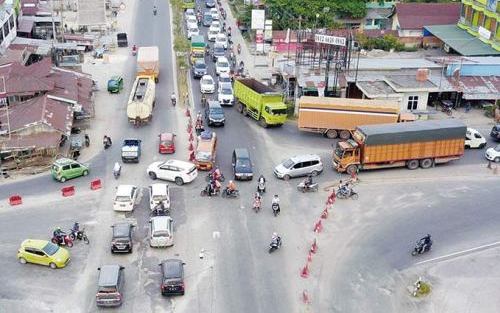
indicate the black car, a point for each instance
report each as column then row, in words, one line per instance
column 214, row 114
column 210, row 3
column 242, row 165
column 199, row 68
column 122, row 238
column 495, row 132
column 172, row 278
column 218, row 51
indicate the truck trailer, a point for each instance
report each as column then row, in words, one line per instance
column 141, row 101
column 262, row 103
column 148, row 62
column 413, row 144
column 339, row 117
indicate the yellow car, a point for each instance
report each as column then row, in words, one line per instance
column 42, row 252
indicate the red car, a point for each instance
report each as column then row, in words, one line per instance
column 167, row 144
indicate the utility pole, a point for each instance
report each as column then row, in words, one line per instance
column 54, row 34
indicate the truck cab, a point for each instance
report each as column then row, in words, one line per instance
column 346, row 156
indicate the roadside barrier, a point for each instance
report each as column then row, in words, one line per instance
column 314, row 246
column 304, row 273
column 318, row 226
column 191, row 138
column 68, row 191
column 189, row 127
column 309, row 257
column 305, row 297
column 190, row 147
column 324, row 214
column 95, row 184
column 15, row 200
column 191, row 156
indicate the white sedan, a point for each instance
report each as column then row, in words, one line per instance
column 221, row 39
column 215, row 13
column 225, row 94
column 180, row 172
column 207, row 84
column 191, row 21
column 159, row 193
column 212, row 33
column 192, row 31
column 125, row 198
column 189, row 12
column 222, row 66
column 493, row 154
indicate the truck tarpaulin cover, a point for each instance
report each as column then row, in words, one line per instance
column 419, row 131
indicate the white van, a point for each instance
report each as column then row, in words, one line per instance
column 474, row 139
column 161, row 231
column 125, row 198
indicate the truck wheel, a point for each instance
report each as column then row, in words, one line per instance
column 345, row 134
column 331, row 133
column 152, row 175
column 497, row 160
column 262, row 122
column 244, row 111
column 352, row 169
column 412, row 164
column 239, row 106
column 157, row 80
column 426, row 163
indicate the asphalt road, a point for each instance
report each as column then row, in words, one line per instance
column 236, row 273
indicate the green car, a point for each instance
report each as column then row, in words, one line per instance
column 64, row 169
column 42, row 252
column 115, row 84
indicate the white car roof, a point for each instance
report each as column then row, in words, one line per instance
column 182, row 164
column 222, row 59
column 124, row 190
column 204, row 77
column 159, row 189
column 221, row 35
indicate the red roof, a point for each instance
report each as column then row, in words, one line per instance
column 418, row 15
column 25, row 80
column 40, row 110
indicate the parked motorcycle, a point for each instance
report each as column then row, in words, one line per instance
column 303, row 188
column 344, row 193
column 79, row 234
column 230, row 194
column 275, row 245
column 67, row 241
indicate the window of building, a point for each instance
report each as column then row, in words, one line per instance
column 412, row 103
column 1, row 36
column 368, row 22
column 11, row 21
column 6, row 29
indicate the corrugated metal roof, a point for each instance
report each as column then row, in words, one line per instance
column 413, row 131
column 91, row 12
column 461, row 41
column 37, row 140
column 480, row 87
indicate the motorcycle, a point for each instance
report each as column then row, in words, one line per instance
column 117, row 171
column 209, row 177
column 134, row 50
column 344, row 193
column 275, row 245
column 312, row 187
column 230, row 194
column 239, row 49
column 107, row 143
column 276, row 209
column 256, row 205
column 67, row 241
column 209, row 192
column 421, row 247
column 87, row 140
column 174, row 102
column 261, row 185
column 79, row 234
column 155, row 11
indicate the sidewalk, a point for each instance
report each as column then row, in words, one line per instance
column 257, row 65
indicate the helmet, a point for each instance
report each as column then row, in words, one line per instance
column 276, row 196
column 58, row 228
column 76, row 223
column 275, row 234
column 230, row 181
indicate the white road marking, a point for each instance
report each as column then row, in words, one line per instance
column 490, row 245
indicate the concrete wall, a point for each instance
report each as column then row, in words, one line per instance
column 421, row 104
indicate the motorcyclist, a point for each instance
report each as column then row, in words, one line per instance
column 203, row 100
column 344, row 188
column 276, row 201
column 216, row 174
column 231, row 187
column 276, row 239
column 257, row 200
column 198, row 116
column 117, row 169
column 155, row 10
column 58, row 234
column 425, row 243
column 173, row 98
column 308, row 181
column 134, row 49
column 261, row 185
column 239, row 48
column 76, row 227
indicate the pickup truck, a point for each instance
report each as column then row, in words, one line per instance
column 131, row 150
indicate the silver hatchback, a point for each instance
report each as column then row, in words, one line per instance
column 299, row 165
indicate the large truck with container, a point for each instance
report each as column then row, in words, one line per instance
column 198, row 48
column 339, row 117
column 148, row 62
column 260, row 102
column 413, row 144
column 141, row 101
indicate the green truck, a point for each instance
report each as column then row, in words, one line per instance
column 260, row 102
column 198, row 47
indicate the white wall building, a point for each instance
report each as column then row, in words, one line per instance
column 8, row 25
